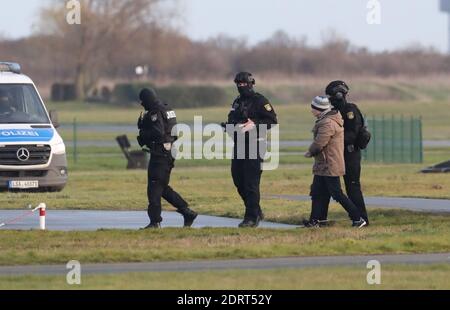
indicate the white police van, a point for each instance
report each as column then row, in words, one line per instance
column 32, row 153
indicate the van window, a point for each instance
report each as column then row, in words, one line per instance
column 20, row 104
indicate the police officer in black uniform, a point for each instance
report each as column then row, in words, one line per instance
column 249, row 111
column 155, row 133
column 356, row 138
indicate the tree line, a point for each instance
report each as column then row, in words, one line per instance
column 116, row 36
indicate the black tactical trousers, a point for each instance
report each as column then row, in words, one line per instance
column 322, row 190
column 353, row 181
column 159, row 171
column 247, row 179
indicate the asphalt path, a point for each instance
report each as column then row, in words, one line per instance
column 96, row 220
column 58, row 220
column 241, row 264
column 409, row 204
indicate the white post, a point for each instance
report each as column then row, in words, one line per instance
column 42, row 212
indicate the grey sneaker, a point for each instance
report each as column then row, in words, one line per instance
column 311, row 224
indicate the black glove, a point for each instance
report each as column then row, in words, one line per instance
column 140, row 122
column 141, row 140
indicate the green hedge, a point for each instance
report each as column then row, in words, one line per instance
column 128, row 93
column 178, row 96
column 63, row 92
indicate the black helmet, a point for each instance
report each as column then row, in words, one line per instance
column 337, row 89
column 148, row 98
column 245, row 77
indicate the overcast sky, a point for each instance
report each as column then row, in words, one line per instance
column 403, row 22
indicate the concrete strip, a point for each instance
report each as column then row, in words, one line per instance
column 410, row 204
column 244, row 264
column 95, row 220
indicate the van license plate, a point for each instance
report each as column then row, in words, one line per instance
column 23, row 184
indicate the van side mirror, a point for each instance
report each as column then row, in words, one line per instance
column 54, row 118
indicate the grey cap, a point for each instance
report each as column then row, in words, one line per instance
column 321, row 103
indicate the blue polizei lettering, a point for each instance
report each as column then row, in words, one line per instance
column 26, row 135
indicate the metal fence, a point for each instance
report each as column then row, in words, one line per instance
column 395, row 140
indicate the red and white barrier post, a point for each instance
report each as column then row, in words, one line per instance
column 42, row 212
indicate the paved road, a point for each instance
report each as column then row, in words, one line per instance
column 411, row 204
column 247, row 264
column 95, row 220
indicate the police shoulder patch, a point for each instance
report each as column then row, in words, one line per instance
column 268, row 107
column 171, row 114
column 154, row 117
column 351, row 115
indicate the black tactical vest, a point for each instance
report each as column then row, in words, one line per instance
column 156, row 125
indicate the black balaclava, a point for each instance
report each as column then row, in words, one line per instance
column 337, row 91
column 247, row 78
column 246, row 91
column 339, row 102
column 149, row 99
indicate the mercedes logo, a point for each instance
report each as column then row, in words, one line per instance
column 23, row 154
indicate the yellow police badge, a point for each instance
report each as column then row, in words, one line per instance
column 268, row 107
column 351, row 115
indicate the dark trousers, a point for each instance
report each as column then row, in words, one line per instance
column 353, row 182
column 247, row 179
column 159, row 171
column 322, row 190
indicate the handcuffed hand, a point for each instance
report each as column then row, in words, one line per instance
column 249, row 126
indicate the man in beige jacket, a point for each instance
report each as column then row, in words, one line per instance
column 328, row 152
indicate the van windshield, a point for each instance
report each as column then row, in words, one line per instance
column 20, row 104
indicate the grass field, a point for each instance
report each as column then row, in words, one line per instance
column 210, row 189
column 393, row 232
column 99, row 181
column 112, row 158
column 296, row 120
column 323, row 278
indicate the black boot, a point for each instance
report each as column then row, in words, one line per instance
column 152, row 226
column 262, row 216
column 189, row 217
column 249, row 223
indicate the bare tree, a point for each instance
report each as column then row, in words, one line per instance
column 107, row 27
